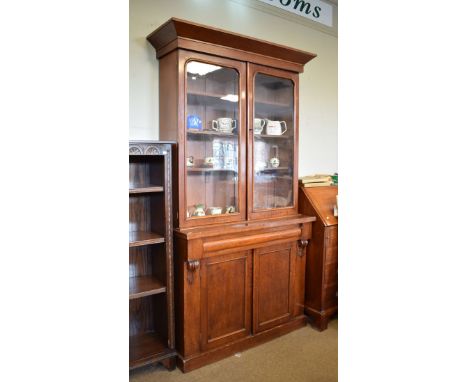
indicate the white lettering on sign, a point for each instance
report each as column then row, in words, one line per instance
column 315, row 10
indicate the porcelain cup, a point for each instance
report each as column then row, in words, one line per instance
column 259, row 124
column 223, row 125
column 199, row 211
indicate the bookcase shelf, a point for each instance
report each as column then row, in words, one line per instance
column 151, row 284
column 146, row 347
column 209, row 169
column 141, row 189
column 142, row 286
column 266, row 136
column 273, row 169
column 209, row 133
column 138, row 238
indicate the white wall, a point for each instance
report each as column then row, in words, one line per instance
column 318, row 97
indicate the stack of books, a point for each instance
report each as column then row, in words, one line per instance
column 318, row 180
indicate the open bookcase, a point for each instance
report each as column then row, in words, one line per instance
column 151, row 306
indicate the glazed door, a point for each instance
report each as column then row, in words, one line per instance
column 273, row 285
column 273, row 118
column 226, row 295
column 214, row 134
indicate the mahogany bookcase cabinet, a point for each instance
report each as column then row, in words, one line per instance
column 151, row 251
column 321, row 288
column 231, row 103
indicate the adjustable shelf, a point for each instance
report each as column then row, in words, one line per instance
column 138, row 238
column 217, row 96
column 209, row 133
column 266, row 136
column 274, row 169
column 142, row 286
column 148, row 348
column 151, row 283
column 208, row 169
column 142, row 189
column 272, row 103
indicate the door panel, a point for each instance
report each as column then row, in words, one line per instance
column 226, row 296
column 214, row 134
column 273, row 120
column 273, row 285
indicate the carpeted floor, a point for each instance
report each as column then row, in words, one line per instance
column 304, row 355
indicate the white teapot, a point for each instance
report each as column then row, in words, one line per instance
column 275, row 127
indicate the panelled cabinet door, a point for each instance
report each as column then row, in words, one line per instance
column 214, row 132
column 273, row 299
column 226, row 295
column 273, row 118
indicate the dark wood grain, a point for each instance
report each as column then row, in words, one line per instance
column 321, row 282
column 168, row 100
column 245, row 228
column 142, row 286
column 225, row 299
column 177, row 28
column 273, row 279
column 239, row 277
column 151, row 305
column 198, row 360
column 141, row 189
column 147, row 348
column 138, row 238
column 323, row 199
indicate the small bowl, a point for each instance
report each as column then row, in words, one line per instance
column 214, row 210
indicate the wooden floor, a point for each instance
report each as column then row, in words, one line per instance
column 304, row 355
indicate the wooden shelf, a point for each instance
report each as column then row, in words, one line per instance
column 261, row 136
column 262, row 103
column 138, row 238
column 272, row 169
column 208, row 169
column 141, row 189
column 147, row 348
column 210, row 133
column 217, row 97
column 151, row 293
column 210, row 95
column 142, row 286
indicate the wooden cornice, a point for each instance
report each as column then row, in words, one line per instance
column 176, row 32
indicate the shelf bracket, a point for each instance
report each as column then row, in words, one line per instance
column 302, row 244
column 192, row 266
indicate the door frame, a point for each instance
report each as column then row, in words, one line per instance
column 257, row 326
column 205, row 342
column 252, row 70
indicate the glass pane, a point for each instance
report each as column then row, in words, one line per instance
column 212, row 144
column 273, row 142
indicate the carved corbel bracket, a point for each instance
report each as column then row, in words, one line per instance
column 302, row 244
column 192, row 266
